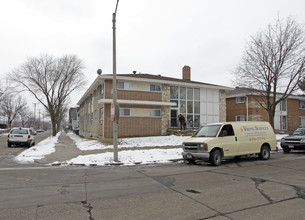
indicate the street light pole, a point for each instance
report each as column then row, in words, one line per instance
column 116, row 119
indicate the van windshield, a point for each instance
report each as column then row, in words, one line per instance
column 207, row 131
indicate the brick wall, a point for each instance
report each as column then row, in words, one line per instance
column 294, row 113
column 132, row 126
column 255, row 111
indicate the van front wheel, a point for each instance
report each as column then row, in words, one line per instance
column 265, row 153
column 215, row 158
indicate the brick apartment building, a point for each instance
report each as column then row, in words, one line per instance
column 149, row 104
column 242, row 106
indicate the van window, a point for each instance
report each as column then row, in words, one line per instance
column 227, row 130
column 207, row 131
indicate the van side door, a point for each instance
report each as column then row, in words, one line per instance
column 228, row 140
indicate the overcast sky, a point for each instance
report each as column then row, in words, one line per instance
column 153, row 36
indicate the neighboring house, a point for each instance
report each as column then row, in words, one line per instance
column 289, row 115
column 149, row 104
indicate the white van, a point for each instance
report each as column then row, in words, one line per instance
column 213, row 142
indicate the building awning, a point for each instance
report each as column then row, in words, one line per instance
column 136, row 102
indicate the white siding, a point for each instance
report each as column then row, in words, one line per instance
column 209, row 106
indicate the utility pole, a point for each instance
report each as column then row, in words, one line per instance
column 116, row 118
column 34, row 114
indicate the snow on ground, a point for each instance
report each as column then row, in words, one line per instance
column 38, row 151
column 126, row 157
column 140, row 142
column 130, row 157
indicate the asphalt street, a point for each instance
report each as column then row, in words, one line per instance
column 238, row 189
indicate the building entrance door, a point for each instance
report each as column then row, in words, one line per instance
column 174, row 122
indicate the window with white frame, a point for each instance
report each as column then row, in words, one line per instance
column 240, row 99
column 283, row 122
column 155, row 112
column 283, row 105
column 302, row 121
column 124, row 112
column 301, row 104
column 187, row 101
column 155, row 88
column 240, row 118
column 124, row 85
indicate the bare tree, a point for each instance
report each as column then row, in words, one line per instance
column 51, row 81
column 10, row 107
column 273, row 63
column 25, row 116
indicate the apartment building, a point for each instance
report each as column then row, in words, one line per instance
column 149, row 104
column 242, row 105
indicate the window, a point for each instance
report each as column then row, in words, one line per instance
column 189, row 107
column 240, row 99
column 196, row 94
column 189, row 93
column 227, row 130
column 102, row 89
column 302, row 121
column 101, row 115
column 197, row 107
column 124, row 112
column 124, row 85
column 283, row 122
column 155, row 112
column 155, row 87
column 182, row 107
column 182, row 93
column 173, row 92
column 196, row 121
column 302, row 104
column 283, row 105
column 239, row 118
column 187, row 101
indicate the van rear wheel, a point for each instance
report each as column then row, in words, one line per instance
column 265, row 153
column 215, row 158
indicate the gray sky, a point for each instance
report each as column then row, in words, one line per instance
column 153, row 36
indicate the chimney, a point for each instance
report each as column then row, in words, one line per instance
column 186, row 73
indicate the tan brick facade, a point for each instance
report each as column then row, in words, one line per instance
column 147, row 102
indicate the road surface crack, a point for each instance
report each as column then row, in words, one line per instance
column 89, row 208
column 257, row 182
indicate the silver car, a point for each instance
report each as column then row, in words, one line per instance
column 21, row 136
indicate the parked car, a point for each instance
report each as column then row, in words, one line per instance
column 21, row 136
column 295, row 141
column 213, row 142
column 40, row 130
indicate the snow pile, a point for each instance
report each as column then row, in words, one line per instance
column 130, row 157
column 39, row 151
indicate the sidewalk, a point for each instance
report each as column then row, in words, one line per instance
column 65, row 149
